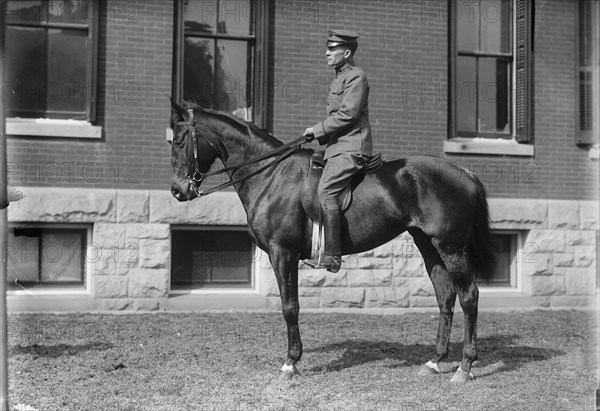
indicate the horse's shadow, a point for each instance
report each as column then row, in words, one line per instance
column 55, row 351
column 497, row 353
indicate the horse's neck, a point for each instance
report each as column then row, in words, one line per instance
column 241, row 148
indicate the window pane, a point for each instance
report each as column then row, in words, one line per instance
column 232, row 75
column 198, row 71
column 465, row 95
column 506, row 254
column 25, row 88
column 24, row 11
column 235, row 17
column 62, row 258
column 200, row 15
column 69, row 11
column 67, row 54
column 467, row 25
column 23, row 259
column 493, row 95
column 496, row 26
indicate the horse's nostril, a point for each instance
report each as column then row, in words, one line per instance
column 177, row 194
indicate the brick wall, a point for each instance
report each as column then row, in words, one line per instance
column 403, row 49
column 134, row 84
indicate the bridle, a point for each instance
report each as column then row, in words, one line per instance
column 195, row 176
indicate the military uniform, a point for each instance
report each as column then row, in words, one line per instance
column 347, row 133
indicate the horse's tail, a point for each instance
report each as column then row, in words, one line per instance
column 480, row 249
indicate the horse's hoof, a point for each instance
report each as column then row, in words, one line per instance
column 285, row 376
column 428, row 371
column 461, row 377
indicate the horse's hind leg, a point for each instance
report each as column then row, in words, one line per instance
column 445, row 295
column 468, row 296
column 285, row 265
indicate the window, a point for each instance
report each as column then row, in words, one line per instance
column 220, row 56
column 211, row 258
column 589, row 72
column 50, row 49
column 47, row 257
column 490, row 85
column 506, row 246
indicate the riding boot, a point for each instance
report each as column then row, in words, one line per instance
column 332, row 256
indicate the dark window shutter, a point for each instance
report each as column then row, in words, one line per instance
column 259, row 103
column 524, row 70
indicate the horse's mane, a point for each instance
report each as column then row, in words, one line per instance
column 239, row 124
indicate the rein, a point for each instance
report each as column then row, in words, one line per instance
column 196, row 177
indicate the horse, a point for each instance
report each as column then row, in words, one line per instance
column 442, row 206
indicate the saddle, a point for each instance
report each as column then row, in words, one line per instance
column 318, row 163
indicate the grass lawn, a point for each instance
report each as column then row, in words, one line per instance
column 536, row 360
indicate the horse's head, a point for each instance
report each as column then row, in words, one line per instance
column 192, row 153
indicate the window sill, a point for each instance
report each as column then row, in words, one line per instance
column 44, row 127
column 488, row 146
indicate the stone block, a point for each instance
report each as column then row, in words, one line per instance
column 405, row 249
column 580, row 237
column 581, row 281
column 421, row 287
column 339, row 279
column 114, row 304
column 553, row 241
column 419, row 301
column 108, row 236
column 518, row 213
column 148, row 282
column 309, row 291
column 563, row 259
column 311, row 278
column 110, row 286
column 373, row 263
column 573, row 301
column 563, row 214
column 104, row 260
column 387, row 297
column 409, row 267
column 73, row 205
column 145, row 304
column 552, row 285
column 132, row 206
column 383, row 251
column 216, row 209
column 369, row 278
column 538, row 263
column 145, row 231
column 154, row 253
column 268, row 283
column 585, row 255
column 309, row 302
column 343, row 297
column 589, row 215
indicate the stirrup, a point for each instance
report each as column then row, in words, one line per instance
column 329, row 262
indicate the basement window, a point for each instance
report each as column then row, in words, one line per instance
column 506, row 246
column 211, row 258
column 47, row 257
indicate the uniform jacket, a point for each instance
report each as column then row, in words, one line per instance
column 347, row 129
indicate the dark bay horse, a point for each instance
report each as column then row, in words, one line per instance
column 443, row 206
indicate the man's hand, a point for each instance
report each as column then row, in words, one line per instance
column 309, row 134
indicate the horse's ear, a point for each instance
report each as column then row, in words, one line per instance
column 177, row 112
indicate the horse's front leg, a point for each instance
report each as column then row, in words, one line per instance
column 285, row 265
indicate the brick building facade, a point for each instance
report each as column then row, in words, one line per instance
column 115, row 185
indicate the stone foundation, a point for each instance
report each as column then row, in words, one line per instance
column 131, row 247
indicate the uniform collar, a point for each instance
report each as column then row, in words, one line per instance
column 343, row 67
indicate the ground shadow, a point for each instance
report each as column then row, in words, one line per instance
column 54, row 351
column 498, row 351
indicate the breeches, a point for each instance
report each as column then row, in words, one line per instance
column 337, row 175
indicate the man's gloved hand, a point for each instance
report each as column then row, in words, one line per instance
column 309, row 134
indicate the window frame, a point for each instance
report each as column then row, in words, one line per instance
column 42, row 289
column 520, row 142
column 589, row 137
column 516, row 267
column 259, row 59
column 255, row 254
column 70, row 128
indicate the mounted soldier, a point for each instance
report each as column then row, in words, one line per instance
column 347, row 133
